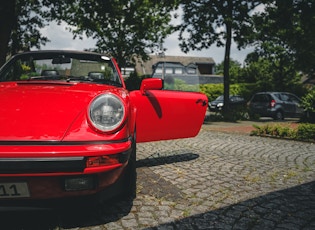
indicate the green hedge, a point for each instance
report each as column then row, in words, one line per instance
column 303, row 132
column 245, row 90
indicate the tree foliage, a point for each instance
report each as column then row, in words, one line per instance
column 285, row 32
column 25, row 33
column 22, row 21
column 122, row 28
column 210, row 22
column 235, row 70
column 7, row 17
column 271, row 75
column 268, row 74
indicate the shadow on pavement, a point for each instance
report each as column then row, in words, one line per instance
column 292, row 208
column 161, row 159
column 65, row 217
column 18, row 220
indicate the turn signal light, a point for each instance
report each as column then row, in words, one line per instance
column 102, row 161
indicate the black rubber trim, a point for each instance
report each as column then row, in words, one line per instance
column 42, row 165
column 60, row 143
column 50, row 164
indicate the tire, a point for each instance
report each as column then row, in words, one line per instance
column 279, row 115
column 131, row 173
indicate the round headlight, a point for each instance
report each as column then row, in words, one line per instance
column 106, row 112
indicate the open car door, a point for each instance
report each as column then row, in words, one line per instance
column 167, row 114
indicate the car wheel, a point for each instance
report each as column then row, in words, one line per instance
column 279, row 115
column 131, row 173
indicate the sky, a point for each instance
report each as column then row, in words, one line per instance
column 217, row 53
column 61, row 38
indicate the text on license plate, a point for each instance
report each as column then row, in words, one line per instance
column 14, row 190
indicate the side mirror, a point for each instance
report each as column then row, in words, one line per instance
column 151, row 84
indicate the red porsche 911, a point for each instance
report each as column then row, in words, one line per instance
column 69, row 126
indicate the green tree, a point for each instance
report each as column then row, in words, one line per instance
column 286, row 29
column 216, row 22
column 258, row 72
column 235, row 71
column 273, row 66
column 123, row 28
column 20, row 24
column 25, row 33
column 7, row 18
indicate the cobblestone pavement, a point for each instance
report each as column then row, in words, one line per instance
column 216, row 180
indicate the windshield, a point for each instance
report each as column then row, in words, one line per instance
column 220, row 98
column 61, row 67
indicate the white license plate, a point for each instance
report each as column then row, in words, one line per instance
column 14, row 190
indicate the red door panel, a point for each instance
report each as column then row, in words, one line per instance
column 163, row 115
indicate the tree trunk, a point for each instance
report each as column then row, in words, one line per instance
column 7, row 17
column 226, row 108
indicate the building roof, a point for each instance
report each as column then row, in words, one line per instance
column 146, row 67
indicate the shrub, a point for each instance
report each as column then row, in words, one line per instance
column 286, row 132
column 308, row 103
column 304, row 131
column 212, row 91
column 182, row 86
column 258, row 131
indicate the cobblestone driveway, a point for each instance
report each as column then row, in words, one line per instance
column 215, row 181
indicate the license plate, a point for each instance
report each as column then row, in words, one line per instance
column 14, row 190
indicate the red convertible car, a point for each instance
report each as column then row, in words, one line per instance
column 69, row 127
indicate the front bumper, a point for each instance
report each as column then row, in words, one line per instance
column 45, row 168
column 214, row 108
column 71, row 201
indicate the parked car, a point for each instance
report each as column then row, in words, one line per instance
column 278, row 105
column 217, row 104
column 71, row 133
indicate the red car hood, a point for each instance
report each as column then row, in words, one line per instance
column 42, row 111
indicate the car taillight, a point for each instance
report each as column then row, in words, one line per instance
column 272, row 103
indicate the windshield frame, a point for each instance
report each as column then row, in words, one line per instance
column 81, row 56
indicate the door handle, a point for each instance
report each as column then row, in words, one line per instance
column 202, row 102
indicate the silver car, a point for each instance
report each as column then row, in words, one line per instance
column 278, row 105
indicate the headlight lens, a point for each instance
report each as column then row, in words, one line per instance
column 106, row 112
